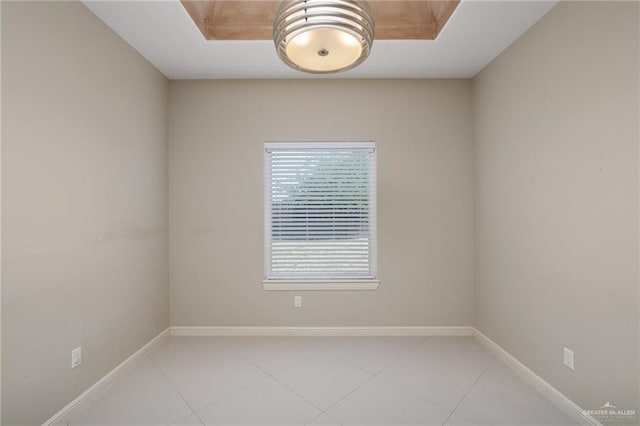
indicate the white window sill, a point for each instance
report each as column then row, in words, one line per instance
column 319, row 285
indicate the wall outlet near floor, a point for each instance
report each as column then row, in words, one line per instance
column 76, row 357
column 568, row 358
column 297, row 301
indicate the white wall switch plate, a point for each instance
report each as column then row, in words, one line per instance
column 297, row 301
column 568, row 358
column 76, row 357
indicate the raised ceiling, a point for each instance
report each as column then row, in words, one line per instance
column 164, row 33
column 253, row 20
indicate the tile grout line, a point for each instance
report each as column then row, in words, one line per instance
column 237, row 352
column 174, row 388
column 493, row 358
column 347, row 395
column 125, row 373
column 402, row 387
column 317, row 353
column 340, row 353
column 422, row 397
column 131, row 368
column 374, row 375
column 411, row 349
column 320, row 415
column 233, row 393
column 413, row 393
column 278, row 381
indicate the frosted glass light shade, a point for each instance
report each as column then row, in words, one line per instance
column 323, row 36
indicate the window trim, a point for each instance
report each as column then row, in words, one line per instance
column 320, row 284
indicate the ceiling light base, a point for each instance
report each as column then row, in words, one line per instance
column 323, row 36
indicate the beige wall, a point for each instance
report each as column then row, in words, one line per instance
column 423, row 134
column 84, row 219
column 556, row 219
column 84, row 216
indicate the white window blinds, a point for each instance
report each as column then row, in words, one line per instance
column 320, row 210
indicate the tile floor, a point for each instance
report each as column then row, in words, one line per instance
column 319, row 381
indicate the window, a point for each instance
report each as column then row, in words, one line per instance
column 320, row 215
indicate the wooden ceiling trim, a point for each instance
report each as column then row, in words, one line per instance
column 198, row 10
column 253, row 19
column 403, row 20
column 442, row 11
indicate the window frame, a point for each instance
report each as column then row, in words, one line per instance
column 323, row 283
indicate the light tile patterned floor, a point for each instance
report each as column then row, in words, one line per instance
column 319, row 381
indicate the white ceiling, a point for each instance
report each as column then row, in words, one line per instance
column 163, row 32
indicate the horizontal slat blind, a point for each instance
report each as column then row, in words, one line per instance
column 320, row 212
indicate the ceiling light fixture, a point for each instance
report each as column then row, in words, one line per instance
column 323, row 36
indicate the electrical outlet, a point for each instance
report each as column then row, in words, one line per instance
column 76, row 357
column 297, row 301
column 568, row 358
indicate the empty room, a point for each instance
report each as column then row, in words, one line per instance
column 320, row 212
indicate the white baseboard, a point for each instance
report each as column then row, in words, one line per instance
column 554, row 395
column 87, row 395
column 321, row 331
column 537, row 382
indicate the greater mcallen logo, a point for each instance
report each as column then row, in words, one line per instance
column 610, row 413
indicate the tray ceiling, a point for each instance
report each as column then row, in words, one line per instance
column 165, row 34
column 253, row 20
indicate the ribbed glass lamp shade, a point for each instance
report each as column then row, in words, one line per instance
column 323, row 36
